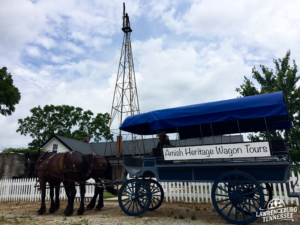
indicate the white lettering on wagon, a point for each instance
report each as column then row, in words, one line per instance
column 253, row 149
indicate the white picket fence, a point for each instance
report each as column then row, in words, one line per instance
column 201, row 192
column 24, row 190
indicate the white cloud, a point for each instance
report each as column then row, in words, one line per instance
column 268, row 25
column 185, row 75
column 33, row 51
column 46, row 42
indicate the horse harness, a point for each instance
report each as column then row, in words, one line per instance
column 48, row 157
column 92, row 165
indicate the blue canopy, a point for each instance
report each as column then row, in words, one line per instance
column 247, row 114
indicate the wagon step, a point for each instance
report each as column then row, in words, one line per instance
column 292, row 194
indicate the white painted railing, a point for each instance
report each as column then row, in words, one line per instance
column 24, row 190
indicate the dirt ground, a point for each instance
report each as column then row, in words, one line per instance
column 25, row 213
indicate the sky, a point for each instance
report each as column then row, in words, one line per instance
column 185, row 52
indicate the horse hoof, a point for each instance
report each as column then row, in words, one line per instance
column 68, row 212
column 80, row 211
column 41, row 211
column 97, row 209
column 89, row 207
column 51, row 210
column 56, row 207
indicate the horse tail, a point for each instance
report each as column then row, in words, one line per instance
column 85, row 167
column 109, row 176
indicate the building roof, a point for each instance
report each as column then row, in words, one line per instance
column 76, row 145
column 141, row 148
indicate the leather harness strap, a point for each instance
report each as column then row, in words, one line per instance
column 92, row 165
column 41, row 159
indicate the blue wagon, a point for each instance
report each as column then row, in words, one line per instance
column 240, row 172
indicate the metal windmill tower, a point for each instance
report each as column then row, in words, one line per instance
column 125, row 101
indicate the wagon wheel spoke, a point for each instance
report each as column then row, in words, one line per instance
column 251, row 204
column 226, row 205
column 230, row 210
column 223, row 200
column 229, row 188
column 223, row 189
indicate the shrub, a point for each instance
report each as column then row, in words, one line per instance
column 181, row 217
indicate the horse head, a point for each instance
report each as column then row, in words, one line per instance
column 31, row 162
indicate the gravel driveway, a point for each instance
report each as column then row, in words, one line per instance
column 25, row 213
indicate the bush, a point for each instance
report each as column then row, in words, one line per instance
column 24, row 151
column 181, row 217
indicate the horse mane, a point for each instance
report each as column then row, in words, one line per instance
column 40, row 156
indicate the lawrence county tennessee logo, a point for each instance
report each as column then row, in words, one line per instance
column 276, row 210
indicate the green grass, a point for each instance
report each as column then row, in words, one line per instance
column 108, row 195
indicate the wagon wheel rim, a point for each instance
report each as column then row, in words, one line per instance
column 134, row 197
column 157, row 194
column 231, row 195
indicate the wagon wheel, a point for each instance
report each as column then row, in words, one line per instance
column 235, row 199
column 268, row 196
column 134, row 197
column 157, row 192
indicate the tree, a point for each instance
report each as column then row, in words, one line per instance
column 284, row 79
column 9, row 94
column 64, row 120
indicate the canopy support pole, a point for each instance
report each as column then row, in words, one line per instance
column 239, row 127
column 267, row 129
column 153, row 141
column 201, row 134
column 212, row 133
column 271, row 149
column 177, row 139
column 229, row 133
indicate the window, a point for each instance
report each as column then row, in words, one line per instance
column 55, row 146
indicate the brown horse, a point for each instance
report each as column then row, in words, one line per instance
column 54, row 168
column 99, row 169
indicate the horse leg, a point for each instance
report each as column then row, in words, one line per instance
column 100, row 202
column 80, row 211
column 57, row 192
column 42, row 210
column 71, row 196
column 52, row 207
column 93, row 201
